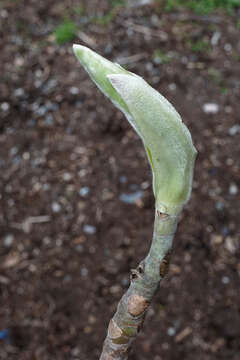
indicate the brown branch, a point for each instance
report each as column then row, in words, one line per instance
column 145, row 279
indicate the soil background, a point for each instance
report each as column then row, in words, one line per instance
column 76, row 204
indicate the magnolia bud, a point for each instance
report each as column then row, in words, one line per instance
column 167, row 140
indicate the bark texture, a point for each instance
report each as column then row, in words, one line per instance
column 145, row 279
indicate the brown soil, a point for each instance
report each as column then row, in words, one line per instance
column 66, row 155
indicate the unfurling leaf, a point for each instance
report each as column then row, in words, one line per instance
column 167, row 140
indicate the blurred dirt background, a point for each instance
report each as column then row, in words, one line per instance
column 76, row 204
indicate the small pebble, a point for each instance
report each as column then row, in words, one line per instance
column 32, row 268
column 123, row 179
column 171, row 331
column 26, row 156
column 75, row 351
column 228, row 47
column 56, row 207
column 145, row 185
column 16, row 160
column 108, row 49
column 46, row 240
column 46, row 187
column 233, row 189
column 49, row 120
column 67, row 176
column 84, row 191
column 82, row 173
column 84, row 272
column 228, row 109
column 155, row 79
column 210, row 108
column 13, row 151
column 59, row 242
column 19, row 61
column 172, row 87
column 155, row 20
column 42, row 110
column 89, row 229
column 74, row 90
column 225, row 280
column 49, row 86
column 4, row 334
column 38, row 73
column 234, row 130
column 215, row 38
column 5, row 106
column 131, row 198
column 4, row 13
column 4, row 280
column 149, row 66
column 225, row 230
column 157, row 60
column 230, row 245
column 37, row 83
column 19, row 92
column 219, row 205
column 52, row 106
column 8, row 240
column 137, row 3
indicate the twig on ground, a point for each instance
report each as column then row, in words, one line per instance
column 131, row 59
column 146, row 30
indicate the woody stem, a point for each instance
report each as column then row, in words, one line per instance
column 145, row 281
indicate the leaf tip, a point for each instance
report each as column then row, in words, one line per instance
column 79, row 50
